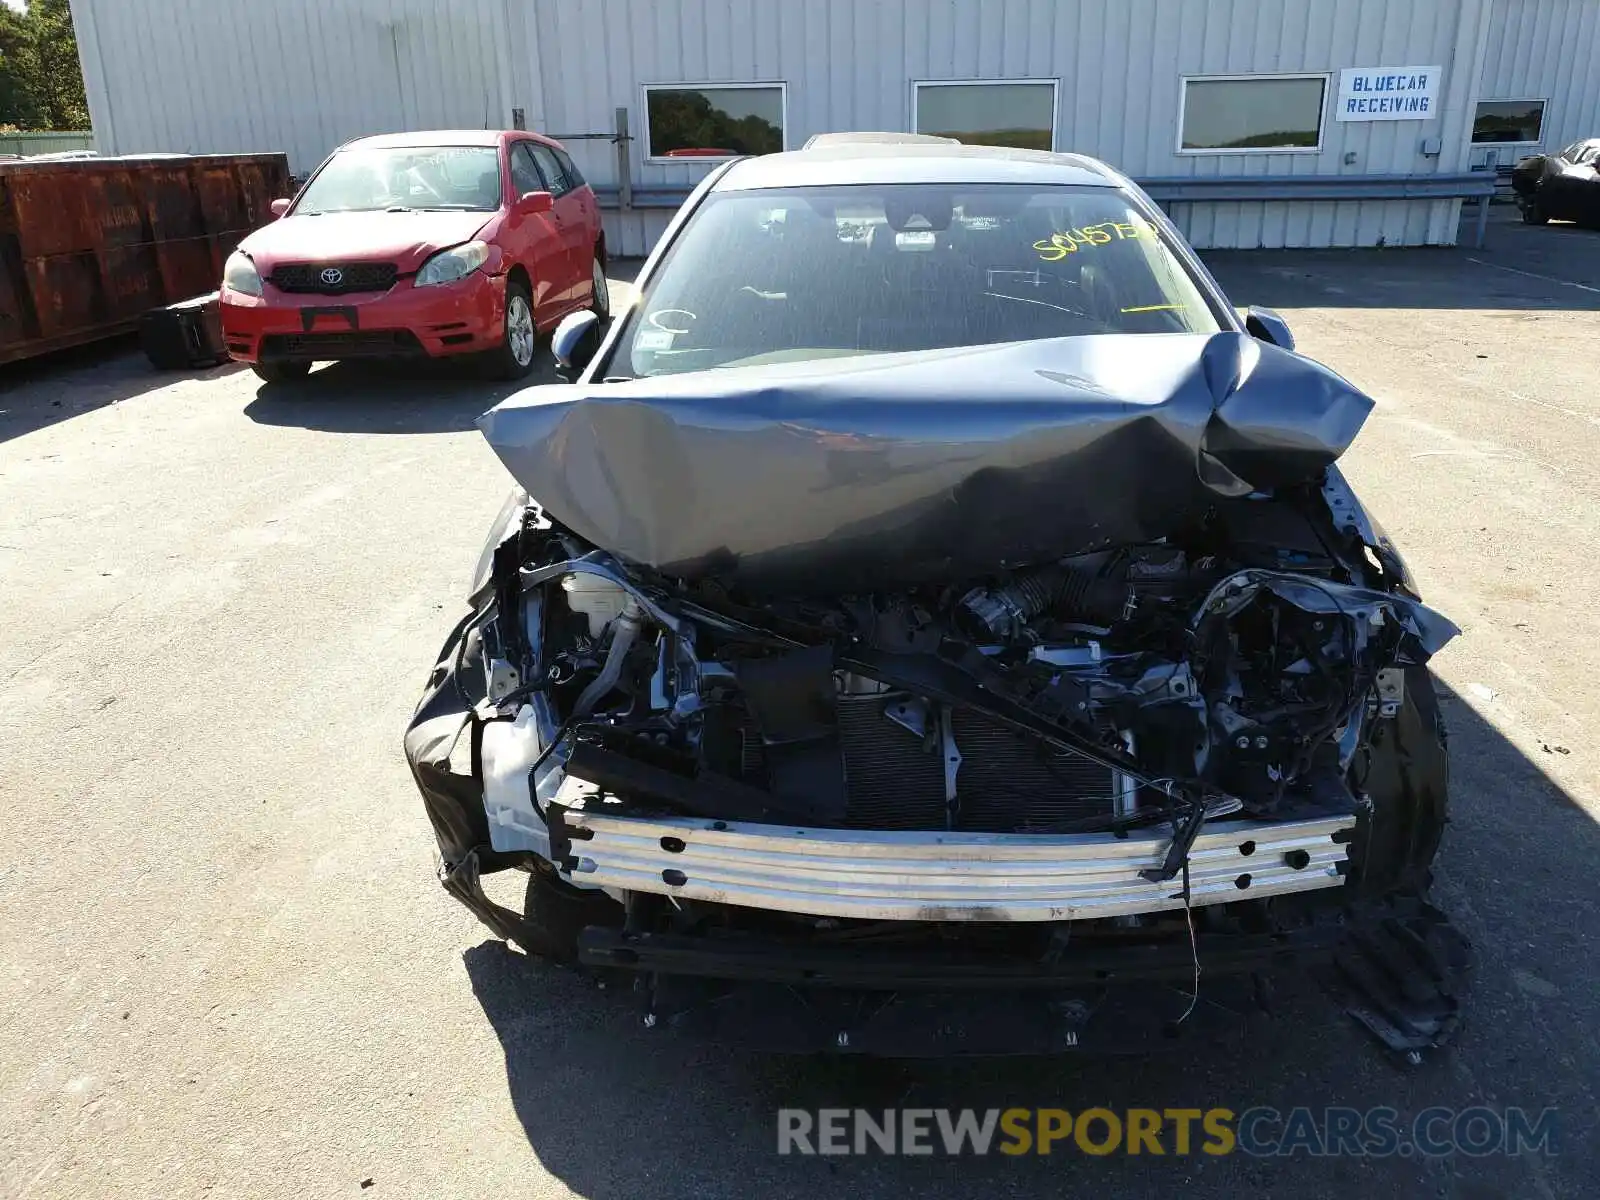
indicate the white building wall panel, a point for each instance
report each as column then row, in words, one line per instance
column 214, row 76
column 1547, row 50
column 851, row 65
column 303, row 75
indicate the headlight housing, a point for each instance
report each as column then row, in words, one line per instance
column 240, row 274
column 447, row 266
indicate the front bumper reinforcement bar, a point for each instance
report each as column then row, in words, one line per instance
column 945, row 876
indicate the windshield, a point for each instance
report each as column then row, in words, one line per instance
column 784, row 275
column 405, row 177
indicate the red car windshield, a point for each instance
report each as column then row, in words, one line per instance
column 402, row 178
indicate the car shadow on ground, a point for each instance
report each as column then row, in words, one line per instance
column 615, row 1110
column 36, row 393
column 407, row 396
column 391, row 396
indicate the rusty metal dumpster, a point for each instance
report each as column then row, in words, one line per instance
column 87, row 246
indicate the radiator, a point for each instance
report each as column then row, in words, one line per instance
column 1005, row 783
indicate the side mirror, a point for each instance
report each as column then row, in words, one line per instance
column 1268, row 326
column 532, row 203
column 575, row 340
column 280, row 206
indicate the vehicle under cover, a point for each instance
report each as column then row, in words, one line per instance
column 1029, row 674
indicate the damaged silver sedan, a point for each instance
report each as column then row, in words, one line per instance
column 934, row 621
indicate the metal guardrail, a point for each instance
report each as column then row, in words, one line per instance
column 48, row 142
column 1471, row 185
column 1186, row 189
column 663, row 197
column 1476, row 185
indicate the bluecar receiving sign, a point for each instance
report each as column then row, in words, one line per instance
column 1388, row 93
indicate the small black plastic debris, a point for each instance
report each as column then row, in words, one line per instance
column 367, row 1182
column 1549, row 749
column 1483, row 356
column 1401, row 972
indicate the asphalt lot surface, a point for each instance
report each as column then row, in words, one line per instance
column 226, row 967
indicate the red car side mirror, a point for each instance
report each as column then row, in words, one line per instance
column 534, row 202
column 279, row 207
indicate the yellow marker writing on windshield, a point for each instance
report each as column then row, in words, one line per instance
column 1150, row 308
column 1058, row 245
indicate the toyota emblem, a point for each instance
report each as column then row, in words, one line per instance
column 332, row 276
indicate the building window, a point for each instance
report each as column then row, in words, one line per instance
column 713, row 122
column 989, row 112
column 1251, row 114
column 1508, row 121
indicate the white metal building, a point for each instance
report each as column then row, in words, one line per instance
column 1337, row 103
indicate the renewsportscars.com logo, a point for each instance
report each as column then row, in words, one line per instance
column 1261, row 1131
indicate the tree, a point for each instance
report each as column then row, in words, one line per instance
column 41, row 85
column 17, row 106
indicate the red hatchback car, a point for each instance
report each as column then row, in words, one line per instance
column 458, row 242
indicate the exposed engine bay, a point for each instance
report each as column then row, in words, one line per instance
column 1190, row 745
column 1128, row 687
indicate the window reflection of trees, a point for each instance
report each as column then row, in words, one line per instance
column 690, row 120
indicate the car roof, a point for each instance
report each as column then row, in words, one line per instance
column 877, row 162
column 430, row 137
column 878, row 137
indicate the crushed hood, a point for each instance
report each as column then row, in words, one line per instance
column 883, row 471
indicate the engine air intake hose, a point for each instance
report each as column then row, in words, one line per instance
column 1066, row 591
